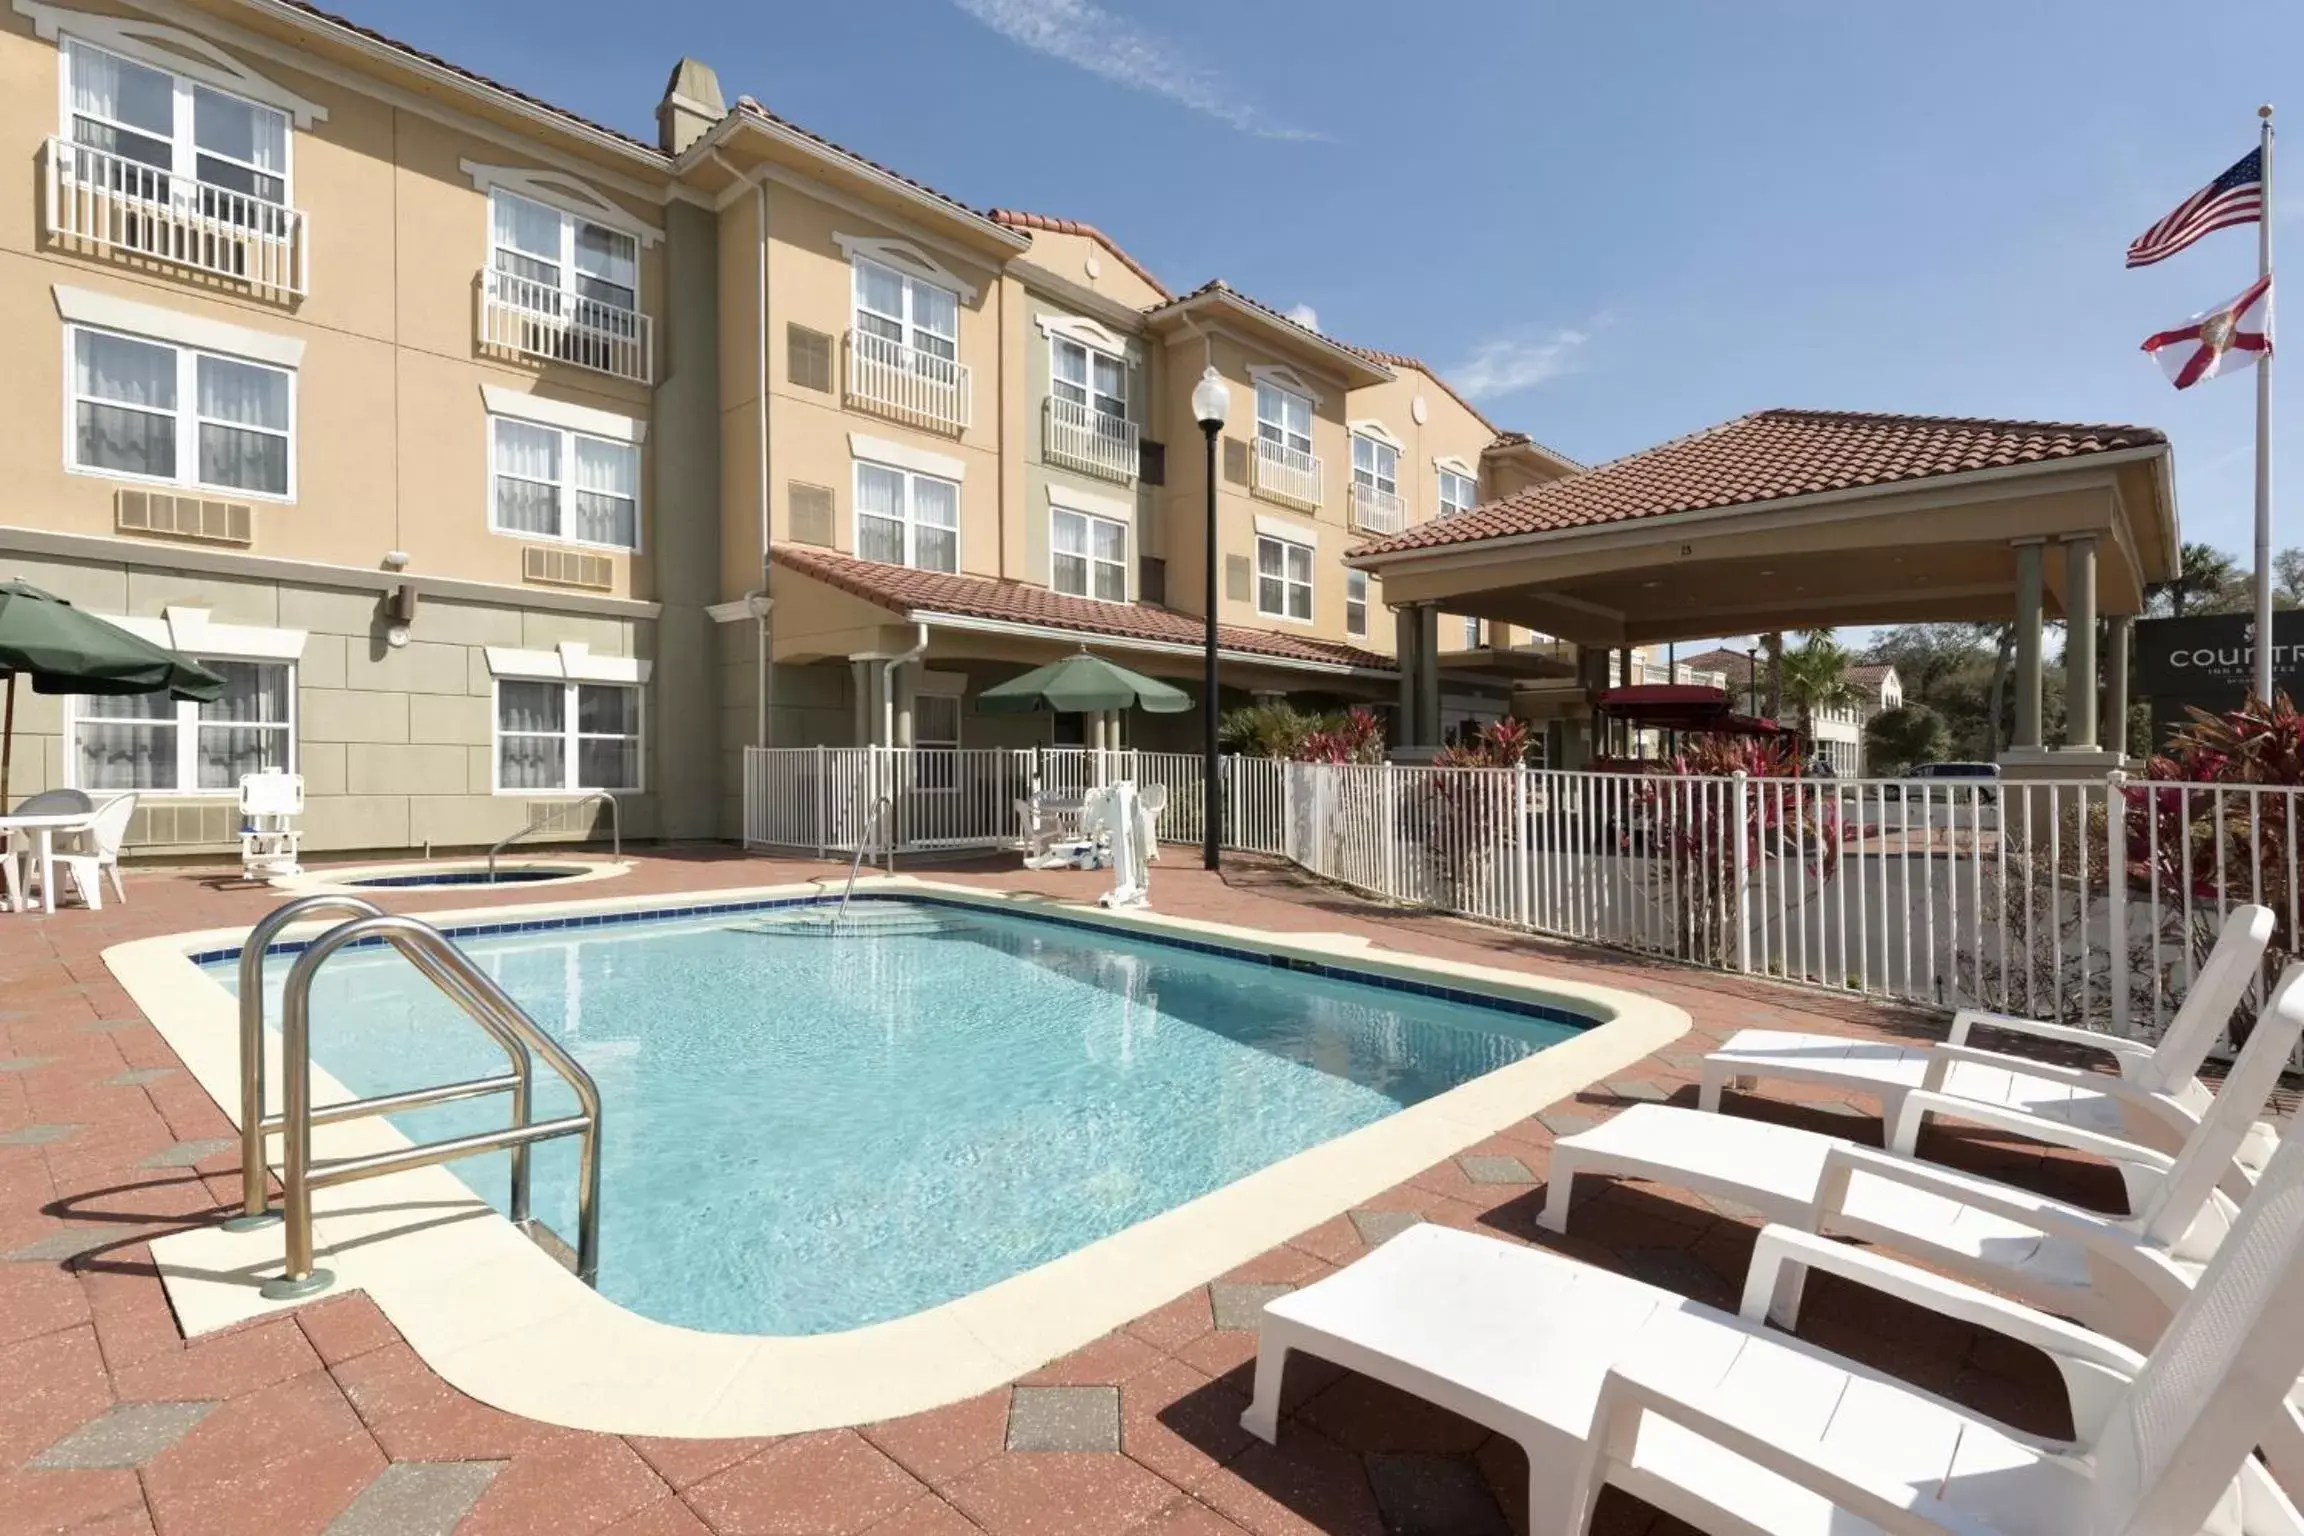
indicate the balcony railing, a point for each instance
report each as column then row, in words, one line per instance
column 97, row 200
column 1286, row 474
column 1376, row 510
column 1091, row 441
column 518, row 314
column 891, row 379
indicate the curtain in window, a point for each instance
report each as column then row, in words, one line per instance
column 608, row 737
column 137, row 433
column 879, row 302
column 127, row 742
column 532, row 741
column 527, row 238
column 243, row 147
column 245, row 731
column 1068, row 537
column 245, row 396
column 607, row 266
column 607, row 493
column 879, row 514
column 1111, row 560
column 935, row 320
column 107, row 86
column 936, row 524
column 527, row 478
column 1271, row 591
column 1111, row 385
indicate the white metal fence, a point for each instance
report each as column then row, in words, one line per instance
column 2088, row 901
column 99, row 199
column 519, row 314
column 908, row 383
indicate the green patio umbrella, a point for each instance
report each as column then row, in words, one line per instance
column 1082, row 684
column 64, row 650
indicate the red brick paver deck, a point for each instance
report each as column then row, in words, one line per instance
column 326, row 1418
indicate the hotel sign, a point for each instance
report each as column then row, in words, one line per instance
column 2209, row 662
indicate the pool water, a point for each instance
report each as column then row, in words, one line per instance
column 805, row 1133
column 426, row 879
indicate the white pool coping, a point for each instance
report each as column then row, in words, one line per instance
column 337, row 880
column 500, row 1320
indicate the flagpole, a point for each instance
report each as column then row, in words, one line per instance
column 2264, row 433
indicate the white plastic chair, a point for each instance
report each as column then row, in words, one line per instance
column 270, row 843
column 95, row 852
column 1735, row 1428
column 2122, row 1275
column 2155, row 1097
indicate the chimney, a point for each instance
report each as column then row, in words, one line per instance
column 690, row 107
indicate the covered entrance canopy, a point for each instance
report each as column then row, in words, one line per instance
column 1789, row 519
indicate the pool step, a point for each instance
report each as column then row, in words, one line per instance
column 822, row 922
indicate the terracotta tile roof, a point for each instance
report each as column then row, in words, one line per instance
column 1016, row 218
column 1508, row 440
column 1403, row 360
column 1869, row 675
column 752, row 108
column 1768, row 456
column 901, row 589
column 1218, row 285
column 1735, row 664
column 340, row 23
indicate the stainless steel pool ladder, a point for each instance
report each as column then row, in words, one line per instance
column 615, row 824
column 484, row 1002
column 882, row 809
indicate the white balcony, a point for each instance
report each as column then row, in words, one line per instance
column 1091, row 441
column 536, row 319
column 100, row 201
column 906, row 384
column 1376, row 510
column 1281, row 473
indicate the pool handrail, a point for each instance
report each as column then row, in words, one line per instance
column 882, row 809
column 255, row 1125
column 487, row 1004
column 615, row 825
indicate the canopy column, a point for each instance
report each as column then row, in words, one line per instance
column 2029, row 598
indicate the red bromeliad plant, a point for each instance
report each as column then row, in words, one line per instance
column 1356, row 737
column 1696, row 831
column 2218, row 819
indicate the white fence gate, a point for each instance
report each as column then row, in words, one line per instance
column 2089, row 901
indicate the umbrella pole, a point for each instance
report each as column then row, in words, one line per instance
column 7, row 741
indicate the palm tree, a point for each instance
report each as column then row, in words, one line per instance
column 1815, row 674
column 2207, row 580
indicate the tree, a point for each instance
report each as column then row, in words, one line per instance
column 2288, row 578
column 1897, row 739
column 1815, row 678
column 2209, row 581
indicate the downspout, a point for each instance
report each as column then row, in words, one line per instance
column 888, row 680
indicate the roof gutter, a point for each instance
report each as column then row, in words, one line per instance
column 826, row 153
column 975, row 625
column 1666, row 525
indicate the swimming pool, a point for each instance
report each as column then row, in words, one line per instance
column 806, row 1134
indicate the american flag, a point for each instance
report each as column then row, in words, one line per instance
column 2236, row 197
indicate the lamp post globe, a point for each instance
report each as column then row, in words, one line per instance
column 1211, row 402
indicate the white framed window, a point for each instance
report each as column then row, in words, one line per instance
column 1458, row 493
column 1356, row 602
column 906, row 311
column 1088, row 555
column 1095, row 381
column 1375, row 464
column 158, row 745
column 904, row 517
column 1283, row 579
column 155, row 410
column 548, row 482
column 936, row 733
column 1283, row 417
column 556, row 735
column 563, row 253
column 178, row 128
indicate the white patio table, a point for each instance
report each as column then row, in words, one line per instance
column 43, row 828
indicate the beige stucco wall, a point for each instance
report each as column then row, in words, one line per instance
column 394, row 742
column 1094, row 266
column 391, row 434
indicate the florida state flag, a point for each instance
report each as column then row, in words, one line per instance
column 2226, row 339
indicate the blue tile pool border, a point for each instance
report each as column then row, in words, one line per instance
column 1383, row 981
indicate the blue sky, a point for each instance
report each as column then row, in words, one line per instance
column 1614, row 223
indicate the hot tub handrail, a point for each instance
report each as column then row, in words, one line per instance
column 615, row 825
column 255, row 1125
column 488, row 1005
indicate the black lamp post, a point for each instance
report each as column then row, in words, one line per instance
column 1210, row 401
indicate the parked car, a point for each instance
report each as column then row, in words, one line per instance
column 1951, row 774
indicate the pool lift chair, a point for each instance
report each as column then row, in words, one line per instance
column 270, row 842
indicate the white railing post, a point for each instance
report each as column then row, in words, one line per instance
column 823, row 799
column 1518, row 845
column 2116, row 895
column 1743, row 867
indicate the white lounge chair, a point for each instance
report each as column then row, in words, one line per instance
column 95, row 852
column 1737, row 1429
column 2122, row 1275
column 2155, row 1097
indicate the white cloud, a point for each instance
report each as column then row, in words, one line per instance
column 1510, row 364
column 1089, row 37
column 1306, row 316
